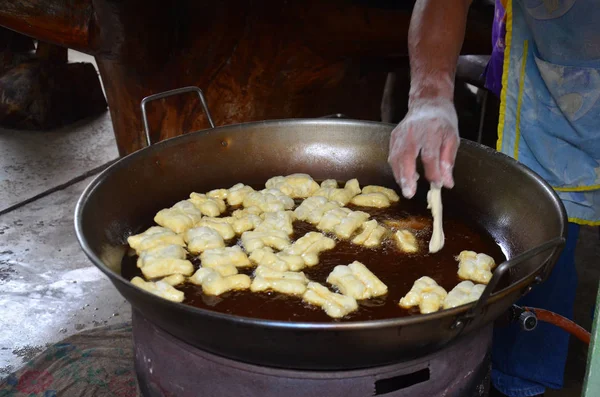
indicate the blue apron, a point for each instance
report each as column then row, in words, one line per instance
column 550, row 99
column 549, row 121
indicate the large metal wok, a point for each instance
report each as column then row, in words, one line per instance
column 518, row 209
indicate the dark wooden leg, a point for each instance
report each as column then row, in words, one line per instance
column 46, row 92
column 14, row 49
column 15, row 42
column 51, row 53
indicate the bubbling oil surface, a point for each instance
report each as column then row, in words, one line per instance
column 395, row 268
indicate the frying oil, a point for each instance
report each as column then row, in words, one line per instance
column 398, row 270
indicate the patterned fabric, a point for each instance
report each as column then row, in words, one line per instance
column 550, row 109
column 95, row 363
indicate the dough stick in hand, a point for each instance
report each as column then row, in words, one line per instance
column 434, row 203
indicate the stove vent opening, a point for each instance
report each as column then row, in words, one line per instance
column 385, row 386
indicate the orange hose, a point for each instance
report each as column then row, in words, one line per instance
column 562, row 322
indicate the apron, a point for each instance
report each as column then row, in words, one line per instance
column 550, row 98
column 546, row 66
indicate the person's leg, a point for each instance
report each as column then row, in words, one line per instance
column 526, row 363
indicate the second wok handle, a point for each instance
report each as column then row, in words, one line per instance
column 500, row 271
column 165, row 94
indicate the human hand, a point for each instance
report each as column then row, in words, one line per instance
column 431, row 128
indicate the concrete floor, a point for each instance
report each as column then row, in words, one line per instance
column 49, row 288
column 34, row 163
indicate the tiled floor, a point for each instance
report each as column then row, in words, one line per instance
column 50, row 290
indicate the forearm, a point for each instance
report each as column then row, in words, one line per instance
column 435, row 37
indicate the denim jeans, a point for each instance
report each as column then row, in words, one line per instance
column 526, row 363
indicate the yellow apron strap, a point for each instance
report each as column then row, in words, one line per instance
column 505, row 71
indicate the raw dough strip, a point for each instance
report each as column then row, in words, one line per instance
column 357, row 281
column 434, row 203
column 335, row 305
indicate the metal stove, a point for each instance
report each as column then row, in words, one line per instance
column 168, row 367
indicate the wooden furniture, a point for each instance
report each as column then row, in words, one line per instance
column 39, row 89
column 256, row 60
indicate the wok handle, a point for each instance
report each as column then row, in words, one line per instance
column 165, row 94
column 499, row 272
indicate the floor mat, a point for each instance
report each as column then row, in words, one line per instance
column 98, row 362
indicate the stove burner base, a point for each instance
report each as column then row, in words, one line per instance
column 166, row 366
